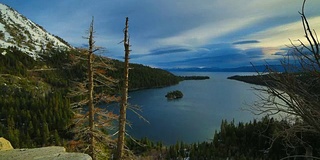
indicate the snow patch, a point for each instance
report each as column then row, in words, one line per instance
column 4, row 53
column 34, row 38
column 1, row 27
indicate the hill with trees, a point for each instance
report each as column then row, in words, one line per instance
column 144, row 77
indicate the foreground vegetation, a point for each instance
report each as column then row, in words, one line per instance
column 257, row 139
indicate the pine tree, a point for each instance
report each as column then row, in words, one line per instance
column 57, row 138
column 45, row 133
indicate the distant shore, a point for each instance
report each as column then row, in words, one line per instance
column 254, row 79
column 182, row 78
column 194, row 77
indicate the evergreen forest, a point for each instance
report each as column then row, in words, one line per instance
column 257, row 139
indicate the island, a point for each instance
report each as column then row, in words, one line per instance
column 174, row 95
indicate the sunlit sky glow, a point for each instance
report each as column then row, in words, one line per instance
column 179, row 33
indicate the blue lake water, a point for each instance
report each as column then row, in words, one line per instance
column 196, row 116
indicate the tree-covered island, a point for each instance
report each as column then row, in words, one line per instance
column 174, row 95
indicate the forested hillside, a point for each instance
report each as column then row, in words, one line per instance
column 142, row 77
column 34, row 111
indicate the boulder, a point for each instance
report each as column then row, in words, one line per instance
column 44, row 153
column 5, row 144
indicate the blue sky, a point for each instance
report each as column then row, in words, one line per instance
column 179, row 33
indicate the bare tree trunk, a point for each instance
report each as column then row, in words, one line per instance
column 90, row 89
column 96, row 88
column 124, row 100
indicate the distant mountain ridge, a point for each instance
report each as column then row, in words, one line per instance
column 20, row 32
column 260, row 68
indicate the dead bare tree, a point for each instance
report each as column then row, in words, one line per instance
column 124, row 98
column 95, row 89
column 295, row 93
column 90, row 90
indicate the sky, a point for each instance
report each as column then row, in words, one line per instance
column 179, row 33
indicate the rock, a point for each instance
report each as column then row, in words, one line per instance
column 44, row 153
column 5, row 144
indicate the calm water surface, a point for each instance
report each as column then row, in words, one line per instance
column 196, row 116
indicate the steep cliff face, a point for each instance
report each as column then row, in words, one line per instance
column 18, row 31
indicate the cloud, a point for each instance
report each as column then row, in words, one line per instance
column 205, row 33
column 221, row 55
column 275, row 39
column 246, row 42
column 163, row 51
column 169, row 50
column 279, row 36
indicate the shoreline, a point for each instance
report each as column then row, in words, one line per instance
column 183, row 78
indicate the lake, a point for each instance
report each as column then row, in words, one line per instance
column 196, row 116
